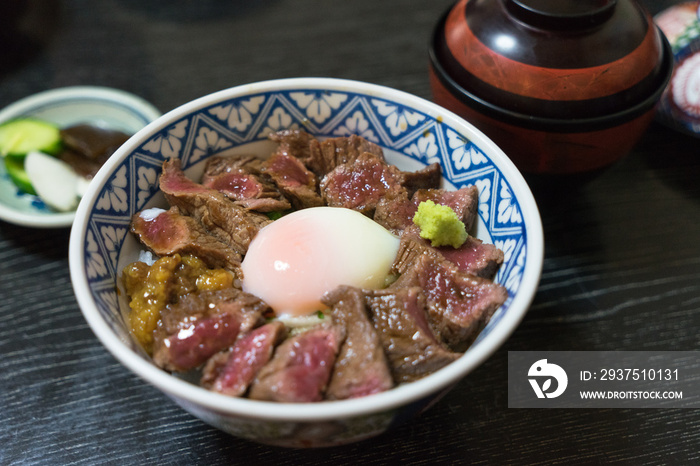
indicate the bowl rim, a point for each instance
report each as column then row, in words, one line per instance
column 190, row 394
column 26, row 105
column 548, row 124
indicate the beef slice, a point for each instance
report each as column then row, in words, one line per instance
column 361, row 368
column 300, row 367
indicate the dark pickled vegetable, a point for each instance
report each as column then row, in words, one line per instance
column 88, row 147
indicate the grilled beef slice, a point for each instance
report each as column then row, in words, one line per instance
column 323, row 156
column 464, row 201
column 429, row 177
column 326, row 155
column 293, row 179
column 296, row 143
column 474, row 256
column 361, row 368
column 395, row 211
column 300, row 368
column 239, row 178
column 459, row 304
column 231, row 372
column 166, row 232
column 221, row 217
column 399, row 317
column 361, row 184
column 202, row 324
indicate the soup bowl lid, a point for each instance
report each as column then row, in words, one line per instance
column 557, row 59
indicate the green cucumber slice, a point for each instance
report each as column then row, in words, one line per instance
column 15, row 169
column 21, row 136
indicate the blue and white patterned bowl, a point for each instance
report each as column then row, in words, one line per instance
column 413, row 133
column 101, row 106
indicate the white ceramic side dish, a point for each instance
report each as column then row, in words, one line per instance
column 100, row 106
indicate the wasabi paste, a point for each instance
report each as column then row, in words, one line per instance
column 440, row 224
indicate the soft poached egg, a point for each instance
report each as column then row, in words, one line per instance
column 293, row 261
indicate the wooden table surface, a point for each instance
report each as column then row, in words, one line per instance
column 621, row 272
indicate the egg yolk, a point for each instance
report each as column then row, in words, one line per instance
column 293, row 261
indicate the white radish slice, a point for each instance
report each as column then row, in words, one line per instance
column 82, row 186
column 54, row 180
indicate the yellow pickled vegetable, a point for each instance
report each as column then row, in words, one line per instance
column 152, row 288
column 149, row 297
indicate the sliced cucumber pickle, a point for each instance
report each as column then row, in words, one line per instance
column 21, row 136
column 18, row 175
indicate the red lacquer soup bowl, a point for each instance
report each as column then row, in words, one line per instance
column 563, row 86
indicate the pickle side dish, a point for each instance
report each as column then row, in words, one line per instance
column 53, row 163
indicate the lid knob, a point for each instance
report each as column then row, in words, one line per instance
column 561, row 14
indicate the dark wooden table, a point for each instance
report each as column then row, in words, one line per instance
column 622, row 266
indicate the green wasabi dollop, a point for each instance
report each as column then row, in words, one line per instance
column 440, row 224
